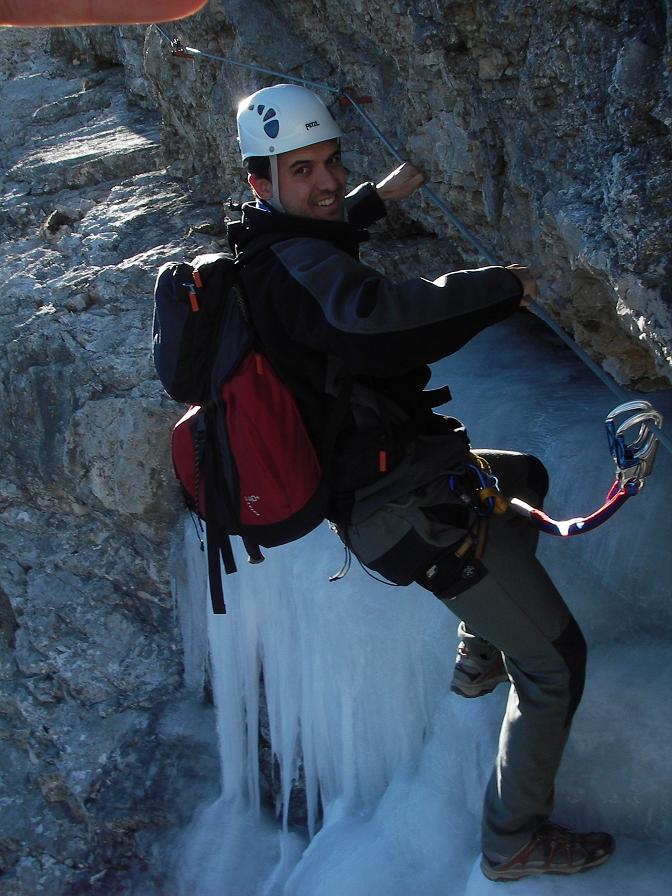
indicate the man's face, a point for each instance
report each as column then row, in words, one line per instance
column 312, row 181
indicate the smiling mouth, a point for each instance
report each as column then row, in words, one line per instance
column 326, row 203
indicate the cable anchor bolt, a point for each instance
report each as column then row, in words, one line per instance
column 349, row 94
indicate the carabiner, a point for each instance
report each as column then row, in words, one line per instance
column 632, row 443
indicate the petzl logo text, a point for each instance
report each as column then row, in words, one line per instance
column 312, row 124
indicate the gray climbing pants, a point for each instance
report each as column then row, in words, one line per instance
column 516, row 608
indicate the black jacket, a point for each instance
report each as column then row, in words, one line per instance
column 323, row 318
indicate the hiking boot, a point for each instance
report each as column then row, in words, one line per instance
column 552, row 850
column 477, row 673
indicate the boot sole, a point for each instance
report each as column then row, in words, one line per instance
column 477, row 690
column 518, row 873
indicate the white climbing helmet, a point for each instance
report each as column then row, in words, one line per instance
column 282, row 118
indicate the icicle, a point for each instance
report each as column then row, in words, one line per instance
column 189, row 583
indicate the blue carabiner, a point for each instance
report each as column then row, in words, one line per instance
column 484, row 480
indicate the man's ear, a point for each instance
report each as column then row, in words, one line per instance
column 261, row 187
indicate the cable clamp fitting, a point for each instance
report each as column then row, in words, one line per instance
column 177, row 48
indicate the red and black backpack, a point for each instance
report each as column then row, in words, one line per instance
column 242, row 454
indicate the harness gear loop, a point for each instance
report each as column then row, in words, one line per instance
column 478, row 487
column 500, row 505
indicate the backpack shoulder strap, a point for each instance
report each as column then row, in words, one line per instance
column 244, row 257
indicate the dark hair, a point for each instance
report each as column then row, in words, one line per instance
column 259, row 166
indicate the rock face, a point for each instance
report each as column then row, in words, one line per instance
column 98, row 737
column 546, row 129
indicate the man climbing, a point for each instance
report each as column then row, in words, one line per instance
column 410, row 498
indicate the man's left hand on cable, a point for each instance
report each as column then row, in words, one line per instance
column 400, row 183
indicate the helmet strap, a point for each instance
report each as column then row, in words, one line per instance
column 274, row 201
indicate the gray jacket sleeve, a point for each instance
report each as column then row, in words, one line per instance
column 354, row 311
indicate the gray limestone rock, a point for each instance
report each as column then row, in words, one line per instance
column 98, row 738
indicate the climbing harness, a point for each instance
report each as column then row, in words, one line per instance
column 633, row 458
